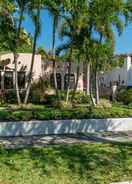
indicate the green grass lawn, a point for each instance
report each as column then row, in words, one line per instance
column 73, row 164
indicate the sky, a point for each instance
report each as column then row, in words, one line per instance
column 123, row 42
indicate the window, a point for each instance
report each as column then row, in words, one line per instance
column 8, row 80
column 1, row 67
column 110, row 84
column 21, row 79
column 72, row 81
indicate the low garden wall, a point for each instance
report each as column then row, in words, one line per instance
column 29, row 128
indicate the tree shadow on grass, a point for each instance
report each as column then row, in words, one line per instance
column 98, row 162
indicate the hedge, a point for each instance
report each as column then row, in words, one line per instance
column 56, row 114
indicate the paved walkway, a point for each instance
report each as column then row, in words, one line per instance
column 42, row 141
column 121, row 137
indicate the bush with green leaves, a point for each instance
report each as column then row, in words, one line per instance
column 63, row 113
column 37, row 93
column 81, row 98
column 125, row 96
column 10, row 96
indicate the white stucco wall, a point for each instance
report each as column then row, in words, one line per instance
column 24, row 59
column 122, row 75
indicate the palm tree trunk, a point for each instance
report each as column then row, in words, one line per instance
column 30, row 73
column 32, row 60
column 97, row 87
column 55, row 78
column 68, row 87
column 96, row 75
column 77, row 79
column 16, row 80
column 92, row 97
column 91, row 88
column 54, row 59
column 88, row 79
column 16, row 56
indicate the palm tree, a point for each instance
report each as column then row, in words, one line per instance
column 36, row 19
column 22, row 5
column 73, row 28
column 106, row 14
column 67, row 57
column 55, row 11
column 12, row 34
column 7, row 26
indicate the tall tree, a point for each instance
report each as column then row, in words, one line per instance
column 35, row 15
column 107, row 14
column 54, row 8
column 72, row 28
column 21, row 6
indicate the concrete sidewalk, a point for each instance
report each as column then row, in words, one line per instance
column 124, row 138
column 40, row 141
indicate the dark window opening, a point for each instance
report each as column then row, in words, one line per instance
column 71, row 81
column 123, row 82
column 58, row 78
column 8, row 80
column 1, row 67
column 21, row 79
column 110, row 84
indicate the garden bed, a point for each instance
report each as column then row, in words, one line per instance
column 51, row 113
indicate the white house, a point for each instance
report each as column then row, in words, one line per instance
column 120, row 76
column 40, row 69
column 7, row 69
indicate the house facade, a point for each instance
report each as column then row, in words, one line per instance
column 62, row 69
column 41, row 68
column 7, row 70
column 120, row 76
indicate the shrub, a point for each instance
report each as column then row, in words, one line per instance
column 22, row 115
column 37, row 92
column 81, row 98
column 125, row 96
column 4, row 115
column 105, row 103
column 10, row 96
column 36, row 96
column 50, row 100
column 63, row 105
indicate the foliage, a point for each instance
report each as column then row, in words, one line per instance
column 65, row 112
column 63, row 105
column 10, row 96
column 125, row 96
column 105, row 103
column 37, row 93
column 81, row 98
column 86, row 28
column 40, row 92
